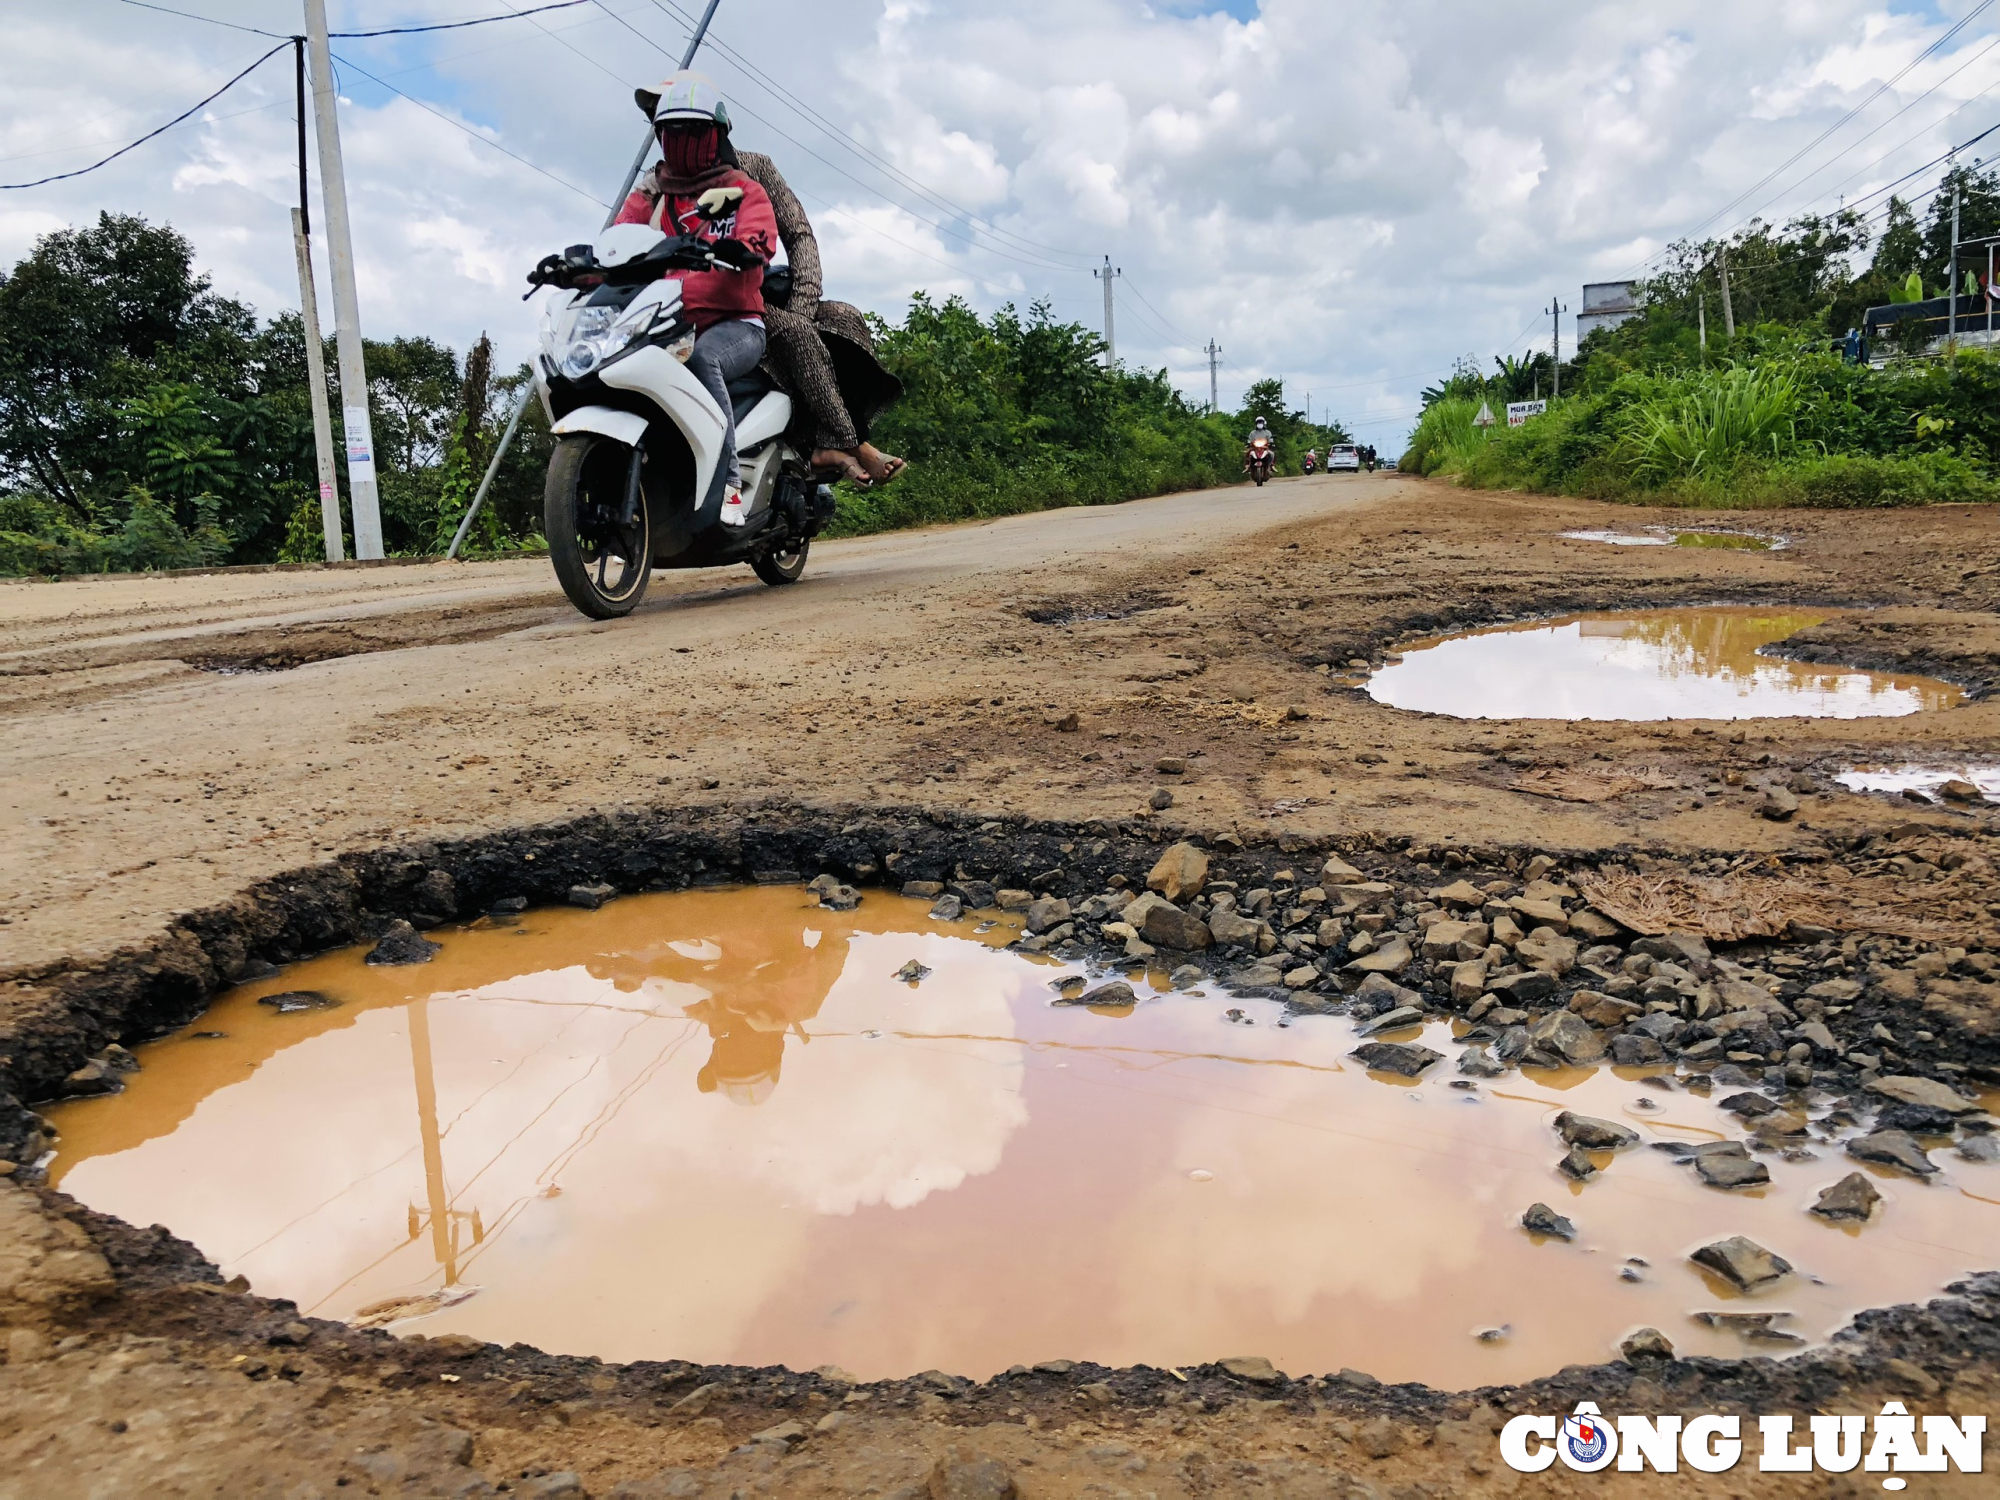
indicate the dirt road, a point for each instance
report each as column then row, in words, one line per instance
column 166, row 744
column 151, row 761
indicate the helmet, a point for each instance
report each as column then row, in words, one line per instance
column 687, row 96
column 1262, row 424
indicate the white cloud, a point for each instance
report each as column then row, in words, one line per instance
column 1334, row 193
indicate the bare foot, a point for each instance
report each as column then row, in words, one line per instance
column 841, row 463
column 880, row 466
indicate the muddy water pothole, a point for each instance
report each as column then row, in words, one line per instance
column 712, row 1126
column 1666, row 536
column 1927, row 783
column 1697, row 663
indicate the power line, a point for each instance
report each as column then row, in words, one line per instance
column 789, row 98
column 512, row 15
column 189, row 15
column 191, row 109
column 484, row 140
column 1884, row 125
column 1880, row 90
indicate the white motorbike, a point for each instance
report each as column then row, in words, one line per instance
column 636, row 479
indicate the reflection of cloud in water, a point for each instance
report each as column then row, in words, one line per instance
column 858, row 1122
column 1667, row 664
column 1376, row 1214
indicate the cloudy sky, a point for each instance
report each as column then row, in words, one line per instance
column 1345, row 195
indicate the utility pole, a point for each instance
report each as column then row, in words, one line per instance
column 1728, row 309
column 1107, row 276
column 329, row 495
column 346, row 299
column 1701, row 314
column 1951, row 271
column 1556, row 310
column 1214, row 349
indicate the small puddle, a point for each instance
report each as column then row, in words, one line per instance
column 1662, row 536
column 1645, row 664
column 1928, row 780
column 711, row 1126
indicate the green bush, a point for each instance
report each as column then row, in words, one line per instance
column 1709, row 422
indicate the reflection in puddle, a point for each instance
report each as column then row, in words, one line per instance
column 1926, row 779
column 1646, row 664
column 709, row 1126
column 1661, row 536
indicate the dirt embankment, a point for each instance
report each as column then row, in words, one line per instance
column 1019, row 692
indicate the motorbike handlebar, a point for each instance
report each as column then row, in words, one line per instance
column 578, row 266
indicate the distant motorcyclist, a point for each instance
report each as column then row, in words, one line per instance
column 1260, row 451
column 1312, row 460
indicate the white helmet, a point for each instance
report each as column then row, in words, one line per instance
column 686, row 96
column 1262, row 424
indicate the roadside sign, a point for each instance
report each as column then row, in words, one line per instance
column 1485, row 417
column 1519, row 411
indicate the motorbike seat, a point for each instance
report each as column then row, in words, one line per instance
column 745, row 391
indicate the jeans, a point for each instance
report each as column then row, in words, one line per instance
column 722, row 354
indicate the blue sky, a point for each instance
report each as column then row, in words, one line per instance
column 1348, row 197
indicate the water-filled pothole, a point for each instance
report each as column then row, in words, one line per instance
column 1702, row 663
column 1947, row 783
column 1665, row 536
column 712, row 1126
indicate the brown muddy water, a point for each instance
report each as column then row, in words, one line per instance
column 711, row 1126
column 1661, row 536
column 1700, row 663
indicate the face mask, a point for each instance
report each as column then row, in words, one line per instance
column 689, row 153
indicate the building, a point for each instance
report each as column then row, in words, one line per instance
column 1606, row 304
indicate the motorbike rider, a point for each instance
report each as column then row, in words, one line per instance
column 699, row 191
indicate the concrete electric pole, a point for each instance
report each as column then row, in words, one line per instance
column 346, row 300
column 1107, row 276
column 1556, row 310
column 1214, row 349
column 329, row 493
column 1728, row 308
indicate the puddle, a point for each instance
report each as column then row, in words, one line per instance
column 710, row 1126
column 1645, row 664
column 1662, row 536
column 1926, row 779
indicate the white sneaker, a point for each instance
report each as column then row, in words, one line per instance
column 734, row 511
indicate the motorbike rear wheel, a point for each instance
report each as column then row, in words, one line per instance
column 602, row 560
column 782, row 567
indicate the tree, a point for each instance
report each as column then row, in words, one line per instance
column 88, row 323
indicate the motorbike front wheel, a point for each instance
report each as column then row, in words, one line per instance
column 603, row 557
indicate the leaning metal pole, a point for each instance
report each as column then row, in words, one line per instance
column 617, row 202
column 500, row 452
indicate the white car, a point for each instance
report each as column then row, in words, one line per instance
column 1342, row 456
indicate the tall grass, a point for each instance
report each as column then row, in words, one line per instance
column 1709, row 422
column 1446, row 441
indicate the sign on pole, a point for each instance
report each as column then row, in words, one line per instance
column 1485, row 417
column 1519, row 411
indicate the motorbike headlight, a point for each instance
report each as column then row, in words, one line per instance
column 589, row 342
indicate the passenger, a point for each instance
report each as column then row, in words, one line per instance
column 803, row 334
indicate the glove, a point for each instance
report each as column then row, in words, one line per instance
column 735, row 255
column 717, row 201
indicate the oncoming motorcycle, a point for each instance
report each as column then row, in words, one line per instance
column 636, row 479
column 1258, row 456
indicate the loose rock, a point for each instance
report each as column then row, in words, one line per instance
column 1744, row 1263
column 1179, row 873
column 1541, row 1219
column 1593, row 1134
column 1852, row 1198
column 1892, row 1148
column 1401, row 1058
column 402, row 944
